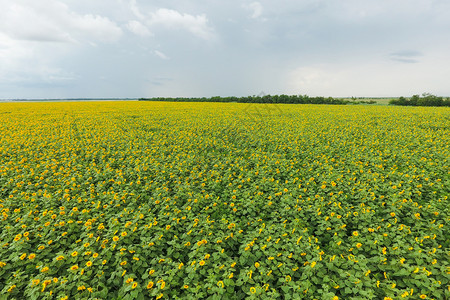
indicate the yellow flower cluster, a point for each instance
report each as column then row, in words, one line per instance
column 196, row 200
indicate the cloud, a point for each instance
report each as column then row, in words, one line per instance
column 40, row 41
column 138, row 28
column 256, row 9
column 406, row 56
column 53, row 21
column 23, row 22
column 368, row 78
column 249, row 46
column 12, row 53
column 148, row 22
column 94, row 27
column 20, row 65
column 172, row 19
column 160, row 54
column 135, row 9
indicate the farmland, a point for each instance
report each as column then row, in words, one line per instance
column 134, row 200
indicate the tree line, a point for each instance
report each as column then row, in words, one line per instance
column 292, row 99
column 425, row 100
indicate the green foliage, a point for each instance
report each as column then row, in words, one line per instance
column 288, row 99
column 140, row 200
column 426, row 100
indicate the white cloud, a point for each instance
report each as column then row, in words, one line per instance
column 197, row 25
column 147, row 22
column 256, row 9
column 38, row 41
column 94, row 27
column 11, row 54
column 52, row 20
column 135, row 9
column 138, row 28
column 24, row 62
column 23, row 22
column 160, row 54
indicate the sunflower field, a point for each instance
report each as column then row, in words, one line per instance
column 163, row 200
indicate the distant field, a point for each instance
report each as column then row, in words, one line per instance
column 384, row 101
column 138, row 200
column 380, row 101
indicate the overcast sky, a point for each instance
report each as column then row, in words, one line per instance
column 137, row 48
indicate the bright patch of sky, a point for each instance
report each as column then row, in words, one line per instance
column 137, row 48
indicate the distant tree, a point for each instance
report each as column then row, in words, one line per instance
column 426, row 99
